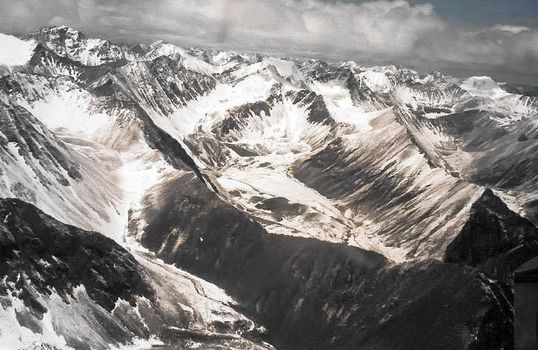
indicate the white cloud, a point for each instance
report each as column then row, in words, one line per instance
column 379, row 30
column 510, row 29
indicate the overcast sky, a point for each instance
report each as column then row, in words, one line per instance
column 469, row 37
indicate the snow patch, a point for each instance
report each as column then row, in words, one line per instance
column 15, row 336
column 483, row 87
column 341, row 107
column 190, row 62
column 376, row 81
column 68, row 109
column 14, row 51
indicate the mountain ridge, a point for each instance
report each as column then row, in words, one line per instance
column 237, row 167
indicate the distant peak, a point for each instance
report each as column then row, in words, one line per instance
column 61, row 28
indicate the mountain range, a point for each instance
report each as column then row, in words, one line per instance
column 155, row 196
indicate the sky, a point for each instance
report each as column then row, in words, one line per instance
column 461, row 37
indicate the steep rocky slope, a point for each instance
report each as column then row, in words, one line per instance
column 310, row 293
column 68, row 288
column 494, row 239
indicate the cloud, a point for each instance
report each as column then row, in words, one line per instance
column 378, row 31
column 511, row 29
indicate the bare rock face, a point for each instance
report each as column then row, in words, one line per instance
column 51, row 255
column 49, row 265
column 494, row 239
column 22, row 129
column 239, row 116
column 386, row 179
column 316, row 107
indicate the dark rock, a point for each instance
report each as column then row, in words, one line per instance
column 34, row 140
column 239, row 116
column 280, row 207
column 316, row 108
column 51, row 255
column 522, row 138
column 494, row 239
column 527, row 272
column 314, row 294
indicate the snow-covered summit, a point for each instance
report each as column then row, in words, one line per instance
column 483, row 86
column 71, row 43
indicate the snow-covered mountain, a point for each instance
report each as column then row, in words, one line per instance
column 317, row 195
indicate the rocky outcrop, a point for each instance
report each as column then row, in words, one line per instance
column 315, row 106
column 495, row 239
column 20, row 129
column 39, row 251
column 239, row 116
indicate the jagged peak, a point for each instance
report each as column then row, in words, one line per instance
column 61, row 30
column 494, row 233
